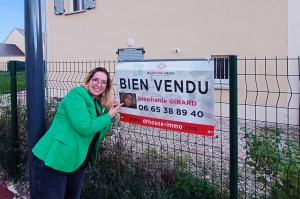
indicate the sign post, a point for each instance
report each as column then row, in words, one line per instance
column 176, row 95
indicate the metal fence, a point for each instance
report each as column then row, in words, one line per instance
column 142, row 162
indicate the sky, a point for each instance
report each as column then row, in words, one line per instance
column 11, row 16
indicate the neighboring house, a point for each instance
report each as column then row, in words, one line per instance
column 79, row 30
column 13, row 48
column 10, row 52
column 17, row 37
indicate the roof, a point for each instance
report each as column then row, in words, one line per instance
column 22, row 32
column 10, row 50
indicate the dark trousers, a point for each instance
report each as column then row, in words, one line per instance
column 49, row 183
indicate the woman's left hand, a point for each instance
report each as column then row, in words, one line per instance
column 113, row 103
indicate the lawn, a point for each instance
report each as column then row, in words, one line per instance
column 5, row 82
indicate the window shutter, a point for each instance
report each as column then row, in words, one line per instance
column 59, row 7
column 137, row 54
column 90, row 4
column 134, row 54
column 124, row 54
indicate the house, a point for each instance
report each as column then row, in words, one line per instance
column 79, row 30
column 13, row 48
column 17, row 37
column 197, row 28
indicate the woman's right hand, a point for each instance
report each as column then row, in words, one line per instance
column 113, row 103
column 113, row 111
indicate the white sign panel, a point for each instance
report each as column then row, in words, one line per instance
column 172, row 95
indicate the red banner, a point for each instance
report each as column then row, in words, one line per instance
column 199, row 129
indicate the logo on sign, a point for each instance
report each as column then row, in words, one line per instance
column 161, row 66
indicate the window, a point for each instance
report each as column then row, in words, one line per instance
column 221, row 70
column 125, row 54
column 221, row 74
column 77, row 5
column 74, row 6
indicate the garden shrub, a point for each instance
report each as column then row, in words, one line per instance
column 275, row 160
column 188, row 186
column 117, row 175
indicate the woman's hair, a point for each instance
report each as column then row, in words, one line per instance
column 105, row 97
column 123, row 99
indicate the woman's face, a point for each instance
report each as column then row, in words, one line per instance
column 128, row 100
column 97, row 83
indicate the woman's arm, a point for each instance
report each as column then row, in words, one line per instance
column 78, row 107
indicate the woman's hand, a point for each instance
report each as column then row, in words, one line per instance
column 113, row 103
column 113, row 111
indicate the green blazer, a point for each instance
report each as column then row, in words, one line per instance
column 65, row 145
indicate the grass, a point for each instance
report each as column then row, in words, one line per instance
column 5, row 82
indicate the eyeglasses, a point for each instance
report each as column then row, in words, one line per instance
column 96, row 81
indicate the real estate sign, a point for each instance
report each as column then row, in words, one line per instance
column 168, row 94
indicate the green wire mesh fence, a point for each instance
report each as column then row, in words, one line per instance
column 143, row 162
column 269, row 128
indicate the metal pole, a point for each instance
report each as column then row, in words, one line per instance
column 35, row 92
column 233, row 120
column 14, row 117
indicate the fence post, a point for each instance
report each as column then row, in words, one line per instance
column 299, row 101
column 233, row 126
column 14, row 117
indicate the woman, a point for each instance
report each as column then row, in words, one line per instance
column 82, row 120
column 128, row 100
